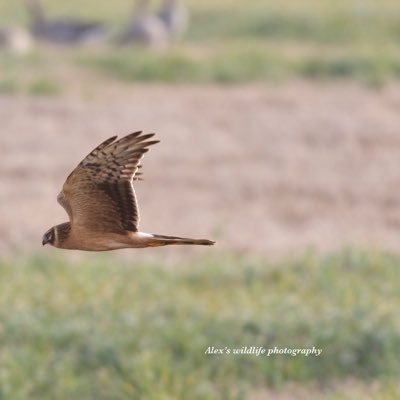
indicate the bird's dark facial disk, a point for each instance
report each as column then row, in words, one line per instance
column 49, row 237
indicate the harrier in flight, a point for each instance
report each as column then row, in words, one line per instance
column 100, row 200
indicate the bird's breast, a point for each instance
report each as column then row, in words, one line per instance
column 94, row 241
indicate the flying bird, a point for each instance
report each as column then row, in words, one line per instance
column 101, row 204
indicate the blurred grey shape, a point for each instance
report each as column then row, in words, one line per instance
column 175, row 17
column 145, row 28
column 16, row 40
column 63, row 30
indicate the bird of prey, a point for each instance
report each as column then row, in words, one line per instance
column 101, row 204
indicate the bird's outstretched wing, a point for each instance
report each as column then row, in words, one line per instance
column 98, row 195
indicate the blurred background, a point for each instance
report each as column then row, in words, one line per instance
column 279, row 128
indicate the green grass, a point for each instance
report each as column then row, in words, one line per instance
column 44, row 87
column 234, row 41
column 243, row 63
column 30, row 73
column 102, row 328
column 8, row 86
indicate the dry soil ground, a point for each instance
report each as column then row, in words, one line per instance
column 263, row 169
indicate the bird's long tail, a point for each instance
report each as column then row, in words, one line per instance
column 163, row 240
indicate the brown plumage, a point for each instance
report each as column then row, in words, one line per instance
column 101, row 204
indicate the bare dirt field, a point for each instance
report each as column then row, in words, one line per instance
column 260, row 169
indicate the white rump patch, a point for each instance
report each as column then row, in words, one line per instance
column 144, row 235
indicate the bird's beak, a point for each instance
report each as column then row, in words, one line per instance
column 44, row 241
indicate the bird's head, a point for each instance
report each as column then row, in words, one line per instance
column 49, row 237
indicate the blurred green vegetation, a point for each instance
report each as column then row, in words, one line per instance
column 44, row 87
column 107, row 329
column 234, row 41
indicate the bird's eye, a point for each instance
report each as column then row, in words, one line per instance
column 50, row 236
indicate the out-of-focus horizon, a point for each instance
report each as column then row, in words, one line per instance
column 227, row 41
